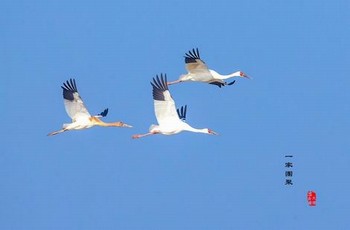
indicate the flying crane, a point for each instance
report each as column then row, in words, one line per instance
column 198, row 71
column 170, row 120
column 81, row 118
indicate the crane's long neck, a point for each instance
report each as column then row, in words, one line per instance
column 216, row 75
column 191, row 129
column 98, row 122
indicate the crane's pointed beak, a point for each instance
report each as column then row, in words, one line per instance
column 246, row 76
column 212, row 132
column 126, row 125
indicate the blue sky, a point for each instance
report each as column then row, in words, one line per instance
column 297, row 103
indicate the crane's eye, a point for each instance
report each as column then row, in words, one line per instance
column 241, row 73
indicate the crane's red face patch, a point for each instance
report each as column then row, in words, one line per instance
column 212, row 132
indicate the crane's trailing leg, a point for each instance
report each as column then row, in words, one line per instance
column 174, row 82
column 57, row 132
column 137, row 136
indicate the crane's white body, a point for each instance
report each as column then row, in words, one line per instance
column 174, row 128
column 169, row 122
column 208, row 76
column 80, row 123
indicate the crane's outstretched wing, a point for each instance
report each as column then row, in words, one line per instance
column 181, row 112
column 194, row 64
column 73, row 103
column 164, row 105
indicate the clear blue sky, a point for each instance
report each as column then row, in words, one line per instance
column 298, row 103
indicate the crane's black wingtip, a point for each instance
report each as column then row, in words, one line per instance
column 191, row 56
column 219, row 84
column 70, row 85
column 104, row 113
column 69, row 88
column 159, row 85
column 231, row 83
column 181, row 112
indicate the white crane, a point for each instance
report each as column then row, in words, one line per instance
column 170, row 121
column 75, row 108
column 198, row 71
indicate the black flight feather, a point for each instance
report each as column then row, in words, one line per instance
column 104, row 113
column 182, row 112
column 69, row 88
column 159, row 87
column 231, row 83
column 222, row 84
column 192, row 56
column 217, row 83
